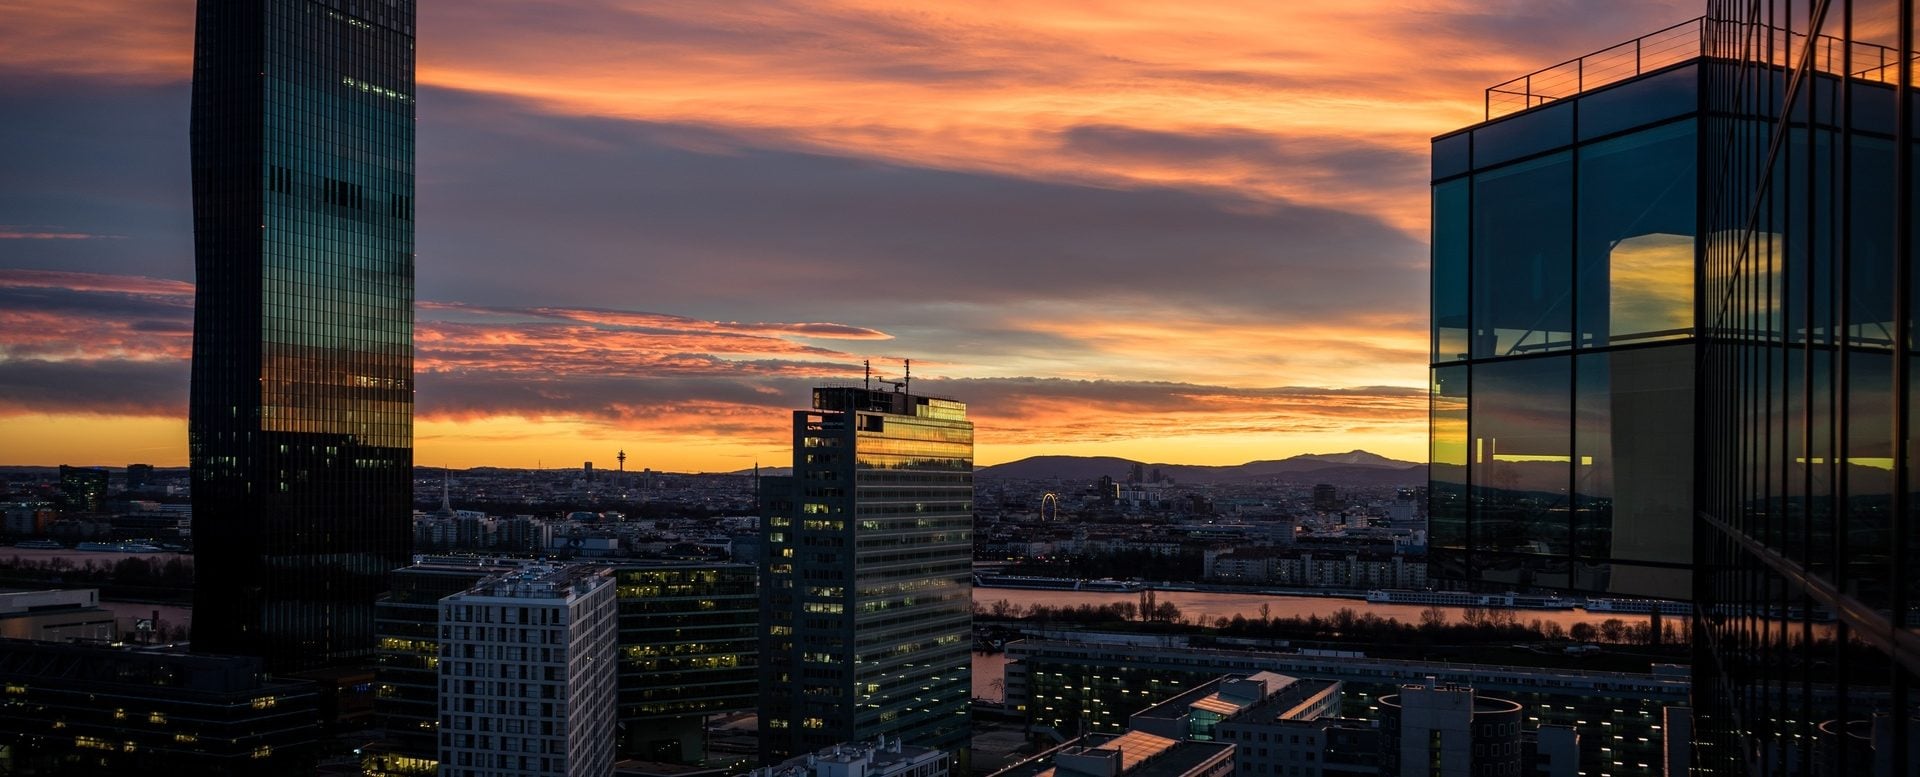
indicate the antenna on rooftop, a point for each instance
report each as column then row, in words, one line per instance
column 868, row 363
column 907, row 385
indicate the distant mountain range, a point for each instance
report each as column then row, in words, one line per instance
column 1353, row 468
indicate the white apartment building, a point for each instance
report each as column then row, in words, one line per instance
column 527, row 677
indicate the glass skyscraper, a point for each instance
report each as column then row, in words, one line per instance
column 866, row 594
column 1673, row 355
column 301, row 417
column 1806, row 656
column 1564, row 244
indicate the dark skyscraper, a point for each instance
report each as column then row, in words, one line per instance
column 1673, row 355
column 301, row 418
column 865, row 595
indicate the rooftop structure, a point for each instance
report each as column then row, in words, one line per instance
column 1131, row 754
column 880, row 758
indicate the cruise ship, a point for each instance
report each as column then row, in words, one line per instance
column 1103, row 585
column 123, row 546
column 1640, row 606
column 1465, row 599
column 40, row 545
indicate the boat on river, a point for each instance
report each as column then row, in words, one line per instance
column 1640, row 606
column 1035, row 583
column 123, row 546
column 1508, row 600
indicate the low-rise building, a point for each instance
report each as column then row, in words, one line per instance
column 88, row 709
column 73, row 615
column 1132, row 754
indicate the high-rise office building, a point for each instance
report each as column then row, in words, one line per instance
column 689, row 640
column 526, row 674
column 82, row 489
column 1672, row 356
column 865, row 585
column 301, row 416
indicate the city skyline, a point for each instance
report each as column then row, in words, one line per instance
column 1145, row 201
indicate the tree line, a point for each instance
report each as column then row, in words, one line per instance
column 1475, row 625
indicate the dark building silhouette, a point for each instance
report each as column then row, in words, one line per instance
column 1325, row 498
column 139, row 476
column 82, row 709
column 866, row 584
column 301, row 415
column 82, row 489
column 1673, row 354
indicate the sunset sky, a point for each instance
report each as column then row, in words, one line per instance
column 1186, row 232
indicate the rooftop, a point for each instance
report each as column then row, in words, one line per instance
column 1226, row 696
column 541, row 581
column 1689, row 40
column 1139, row 754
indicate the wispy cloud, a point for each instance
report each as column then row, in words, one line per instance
column 90, row 344
column 15, row 232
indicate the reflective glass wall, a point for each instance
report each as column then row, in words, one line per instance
column 1808, row 659
column 1564, row 307
column 300, row 429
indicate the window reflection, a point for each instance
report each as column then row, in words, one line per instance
column 1519, row 457
column 1447, row 504
column 1522, row 274
column 1637, row 203
column 1450, row 271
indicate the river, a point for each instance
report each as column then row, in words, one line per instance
column 989, row 670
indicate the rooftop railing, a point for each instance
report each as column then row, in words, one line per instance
column 1689, row 40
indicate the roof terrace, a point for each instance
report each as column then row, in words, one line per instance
column 1689, row 40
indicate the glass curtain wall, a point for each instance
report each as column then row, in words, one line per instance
column 1564, row 245
column 1807, row 659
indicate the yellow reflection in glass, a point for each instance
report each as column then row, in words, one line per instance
column 1650, row 281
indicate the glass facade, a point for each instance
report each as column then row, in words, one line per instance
column 1741, row 365
column 1564, row 248
column 866, row 587
column 300, row 430
column 1806, row 530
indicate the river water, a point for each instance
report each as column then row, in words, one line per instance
column 989, row 670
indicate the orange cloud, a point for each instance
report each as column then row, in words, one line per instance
column 719, row 393
column 1002, row 88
